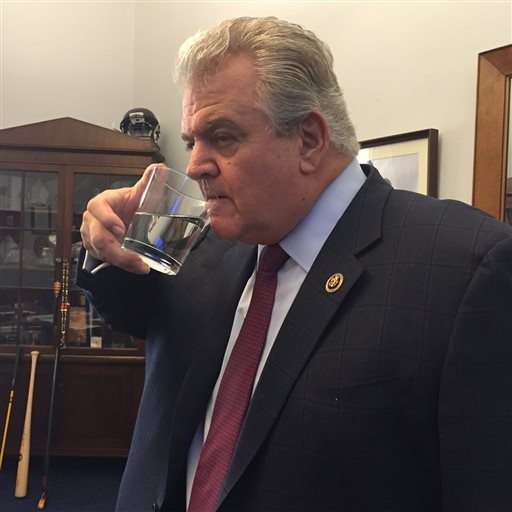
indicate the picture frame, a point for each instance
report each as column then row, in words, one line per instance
column 492, row 175
column 409, row 161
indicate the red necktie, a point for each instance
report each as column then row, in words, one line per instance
column 236, row 385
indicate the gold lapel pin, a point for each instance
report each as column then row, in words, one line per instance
column 333, row 284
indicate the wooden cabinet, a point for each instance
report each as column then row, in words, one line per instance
column 48, row 173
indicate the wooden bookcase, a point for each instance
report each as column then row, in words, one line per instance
column 48, row 172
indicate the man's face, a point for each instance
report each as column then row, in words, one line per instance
column 255, row 189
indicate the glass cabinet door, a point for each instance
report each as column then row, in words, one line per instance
column 29, row 212
column 85, row 327
column 28, row 239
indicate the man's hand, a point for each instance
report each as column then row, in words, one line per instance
column 105, row 221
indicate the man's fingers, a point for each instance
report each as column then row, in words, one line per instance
column 97, row 239
column 103, row 245
column 130, row 262
column 102, row 209
column 106, row 219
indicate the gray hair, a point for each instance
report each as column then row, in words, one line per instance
column 295, row 71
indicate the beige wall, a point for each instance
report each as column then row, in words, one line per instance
column 66, row 59
column 403, row 66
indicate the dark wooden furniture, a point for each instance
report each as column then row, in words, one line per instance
column 48, row 172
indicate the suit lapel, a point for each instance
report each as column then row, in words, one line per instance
column 308, row 318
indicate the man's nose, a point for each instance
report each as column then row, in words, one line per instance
column 202, row 163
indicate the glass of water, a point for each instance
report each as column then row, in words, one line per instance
column 170, row 218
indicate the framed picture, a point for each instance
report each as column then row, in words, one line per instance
column 408, row 161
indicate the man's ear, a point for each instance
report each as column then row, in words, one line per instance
column 314, row 141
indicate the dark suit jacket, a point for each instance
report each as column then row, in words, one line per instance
column 392, row 394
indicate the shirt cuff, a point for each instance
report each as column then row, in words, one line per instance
column 92, row 264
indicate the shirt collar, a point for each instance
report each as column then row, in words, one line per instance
column 304, row 242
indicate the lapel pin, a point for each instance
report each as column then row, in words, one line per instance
column 333, row 284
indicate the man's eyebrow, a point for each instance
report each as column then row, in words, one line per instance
column 210, row 127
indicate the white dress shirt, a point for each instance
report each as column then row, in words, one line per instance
column 302, row 244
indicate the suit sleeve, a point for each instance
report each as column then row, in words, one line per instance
column 475, row 404
column 124, row 300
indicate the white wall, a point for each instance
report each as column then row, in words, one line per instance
column 66, row 59
column 403, row 66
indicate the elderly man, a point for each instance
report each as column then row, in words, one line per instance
column 383, row 380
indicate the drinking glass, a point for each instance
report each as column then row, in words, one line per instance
column 170, row 218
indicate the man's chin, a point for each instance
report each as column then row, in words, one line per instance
column 225, row 229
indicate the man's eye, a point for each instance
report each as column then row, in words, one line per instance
column 189, row 146
column 222, row 139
